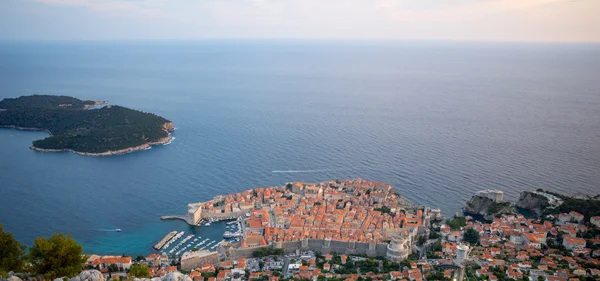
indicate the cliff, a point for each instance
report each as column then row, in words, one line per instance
column 533, row 201
column 479, row 205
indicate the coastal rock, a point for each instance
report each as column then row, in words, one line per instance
column 537, row 201
column 169, row 126
column 532, row 201
column 486, row 207
column 89, row 275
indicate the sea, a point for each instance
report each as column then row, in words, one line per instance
column 437, row 120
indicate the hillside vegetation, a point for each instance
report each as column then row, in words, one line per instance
column 74, row 127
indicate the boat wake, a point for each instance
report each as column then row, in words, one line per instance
column 307, row 171
column 110, row 230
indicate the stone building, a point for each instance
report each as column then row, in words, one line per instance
column 399, row 248
column 195, row 212
column 191, row 260
column 495, row 195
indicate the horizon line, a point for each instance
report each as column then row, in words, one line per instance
column 287, row 39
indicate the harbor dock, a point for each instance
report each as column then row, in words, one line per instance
column 162, row 242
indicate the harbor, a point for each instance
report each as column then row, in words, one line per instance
column 206, row 235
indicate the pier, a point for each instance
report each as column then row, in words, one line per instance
column 162, row 242
column 183, row 218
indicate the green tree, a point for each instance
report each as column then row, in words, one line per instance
column 456, row 223
column 422, row 239
column 471, row 236
column 12, row 252
column 139, row 271
column 56, row 257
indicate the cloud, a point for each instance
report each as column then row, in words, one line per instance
column 465, row 10
column 126, row 8
column 404, row 10
column 421, row 19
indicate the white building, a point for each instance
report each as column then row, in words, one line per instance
column 595, row 221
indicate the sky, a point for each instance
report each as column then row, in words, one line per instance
column 471, row 20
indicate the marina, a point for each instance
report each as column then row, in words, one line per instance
column 176, row 243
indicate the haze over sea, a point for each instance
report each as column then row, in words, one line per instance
column 436, row 120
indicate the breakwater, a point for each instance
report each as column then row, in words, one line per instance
column 183, row 218
column 164, row 240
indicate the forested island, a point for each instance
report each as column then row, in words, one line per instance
column 78, row 126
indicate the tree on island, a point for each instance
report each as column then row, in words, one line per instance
column 56, row 257
column 12, row 253
column 471, row 236
column 139, row 271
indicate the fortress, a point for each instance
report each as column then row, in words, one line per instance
column 194, row 213
column 495, row 195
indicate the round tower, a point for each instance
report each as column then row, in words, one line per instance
column 463, row 251
column 399, row 247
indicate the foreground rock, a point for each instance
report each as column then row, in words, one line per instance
column 89, row 275
column 14, row 278
column 173, row 276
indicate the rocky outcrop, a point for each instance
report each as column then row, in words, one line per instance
column 169, row 126
column 173, row 276
column 21, row 277
column 13, row 278
column 89, row 275
column 486, row 207
column 86, row 275
column 534, row 201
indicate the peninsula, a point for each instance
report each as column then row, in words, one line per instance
column 352, row 216
column 78, row 126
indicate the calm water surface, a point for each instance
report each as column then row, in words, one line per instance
column 437, row 121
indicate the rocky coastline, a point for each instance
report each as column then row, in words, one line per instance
column 168, row 127
column 533, row 201
column 25, row 129
column 487, row 208
column 96, row 103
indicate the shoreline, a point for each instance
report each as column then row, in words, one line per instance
column 24, row 128
column 168, row 127
column 110, row 152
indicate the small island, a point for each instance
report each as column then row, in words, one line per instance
column 84, row 127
